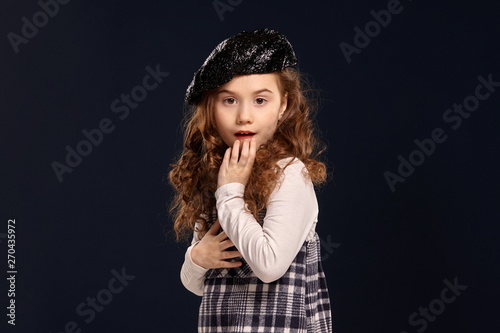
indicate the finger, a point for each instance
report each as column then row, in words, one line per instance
column 231, row 254
column 245, row 151
column 226, row 244
column 252, row 152
column 253, row 145
column 229, row 264
column 235, row 152
column 221, row 237
column 227, row 156
column 214, row 228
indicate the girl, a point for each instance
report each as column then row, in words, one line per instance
column 249, row 166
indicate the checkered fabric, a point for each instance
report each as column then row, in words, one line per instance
column 235, row 300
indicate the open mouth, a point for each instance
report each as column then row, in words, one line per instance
column 244, row 134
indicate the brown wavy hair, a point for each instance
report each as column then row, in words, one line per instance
column 194, row 175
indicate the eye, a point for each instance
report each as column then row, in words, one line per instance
column 260, row 101
column 229, row 101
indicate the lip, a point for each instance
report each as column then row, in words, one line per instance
column 244, row 134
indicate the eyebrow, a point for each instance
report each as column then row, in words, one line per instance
column 255, row 92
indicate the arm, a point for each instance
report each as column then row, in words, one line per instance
column 192, row 275
column 291, row 211
column 208, row 253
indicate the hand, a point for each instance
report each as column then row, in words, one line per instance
column 233, row 170
column 210, row 251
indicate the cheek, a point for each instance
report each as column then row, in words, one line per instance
column 273, row 120
column 271, row 126
column 222, row 128
column 219, row 121
column 220, row 125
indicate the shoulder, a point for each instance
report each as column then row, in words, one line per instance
column 294, row 182
column 293, row 167
column 292, row 163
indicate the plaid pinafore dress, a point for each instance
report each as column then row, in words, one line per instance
column 235, row 300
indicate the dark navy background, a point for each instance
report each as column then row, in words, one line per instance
column 386, row 253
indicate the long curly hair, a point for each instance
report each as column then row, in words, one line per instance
column 194, row 175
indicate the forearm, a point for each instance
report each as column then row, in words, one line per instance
column 192, row 275
column 291, row 212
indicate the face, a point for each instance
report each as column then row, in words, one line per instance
column 249, row 106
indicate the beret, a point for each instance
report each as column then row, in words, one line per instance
column 248, row 52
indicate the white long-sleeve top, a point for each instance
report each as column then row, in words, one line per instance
column 291, row 217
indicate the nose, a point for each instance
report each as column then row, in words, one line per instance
column 245, row 115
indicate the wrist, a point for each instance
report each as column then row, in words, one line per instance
column 194, row 254
column 195, row 267
column 230, row 190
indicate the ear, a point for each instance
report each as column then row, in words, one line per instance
column 284, row 103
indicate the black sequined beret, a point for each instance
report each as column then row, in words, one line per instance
column 249, row 52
